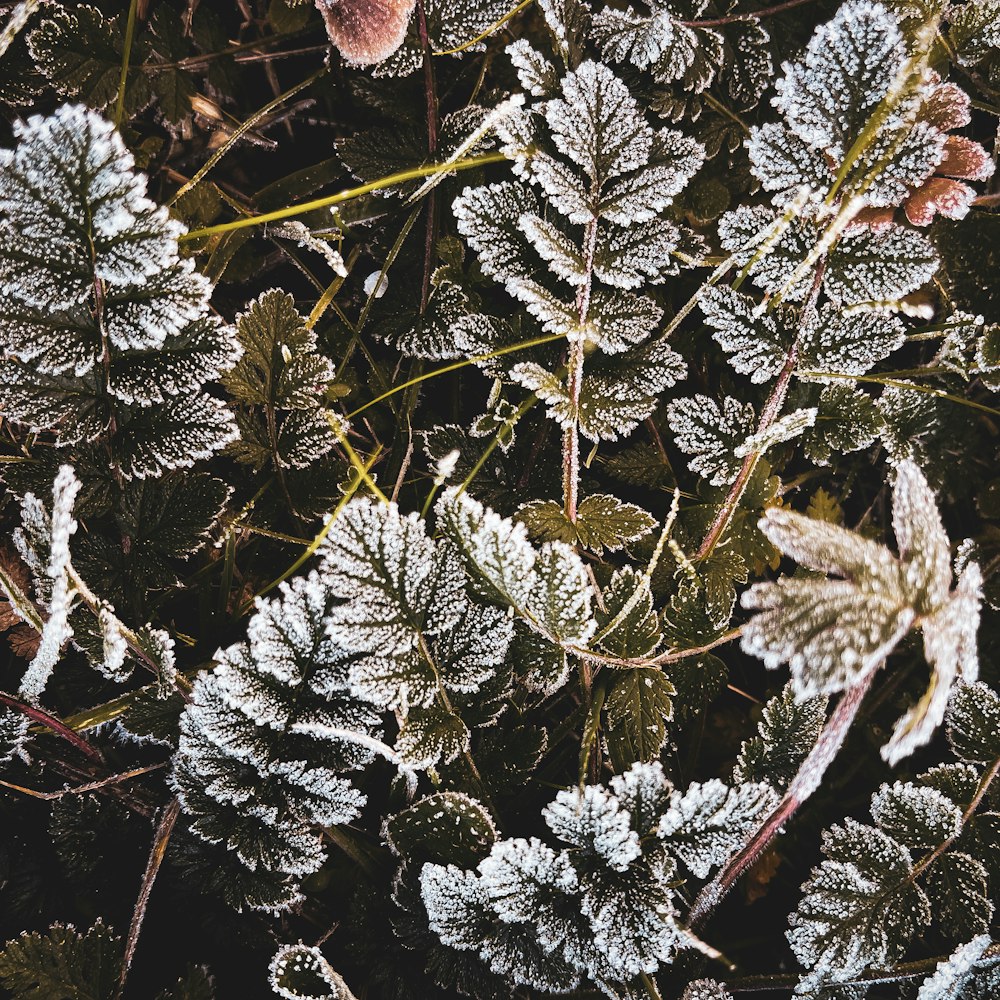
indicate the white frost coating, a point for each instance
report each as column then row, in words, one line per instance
column 708, row 823
column 115, row 645
column 834, row 631
column 706, row 989
column 859, row 907
column 785, row 428
column 549, row 589
column 711, row 434
column 300, row 972
column 952, row 976
column 849, row 66
column 59, row 601
column 602, row 906
column 87, row 264
column 670, row 49
column 593, row 821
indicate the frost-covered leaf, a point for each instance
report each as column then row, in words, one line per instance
column 846, row 420
column 973, row 723
column 300, row 972
column 879, row 266
column 268, row 738
column 860, row 907
column 592, row 821
column 660, row 42
column 785, row 428
column 597, row 124
column 430, row 736
column 957, row 885
column 787, row 732
column 706, row 989
column 756, row 344
column 849, row 66
column 708, row 823
column 442, row 827
column 974, row 30
column 79, row 50
column 711, row 434
column 13, row 733
column 850, row 343
column 92, row 275
column 488, row 218
column 549, row 588
column 957, row 978
column 915, row 815
column 62, row 964
column 628, row 625
column 834, row 631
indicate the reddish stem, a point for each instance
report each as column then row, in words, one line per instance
column 51, row 722
column 756, row 15
column 805, row 782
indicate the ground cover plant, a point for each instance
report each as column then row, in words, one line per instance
column 499, row 499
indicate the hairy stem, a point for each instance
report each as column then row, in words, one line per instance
column 772, row 408
column 750, row 15
column 805, row 782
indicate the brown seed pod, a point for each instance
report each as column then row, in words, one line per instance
column 366, row 31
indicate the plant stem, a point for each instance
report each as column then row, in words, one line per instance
column 54, row 724
column 750, row 15
column 805, row 782
column 897, row 974
column 391, row 180
column 159, row 849
column 768, row 415
column 574, row 384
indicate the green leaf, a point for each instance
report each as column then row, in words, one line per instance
column 638, row 706
column 448, row 827
column 80, row 52
column 975, row 30
column 973, row 723
column 430, row 735
column 788, row 730
column 62, row 964
column 602, row 522
column 958, row 888
column 627, row 624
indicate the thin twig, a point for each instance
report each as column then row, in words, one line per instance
column 93, row 786
column 750, row 15
column 159, row 849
